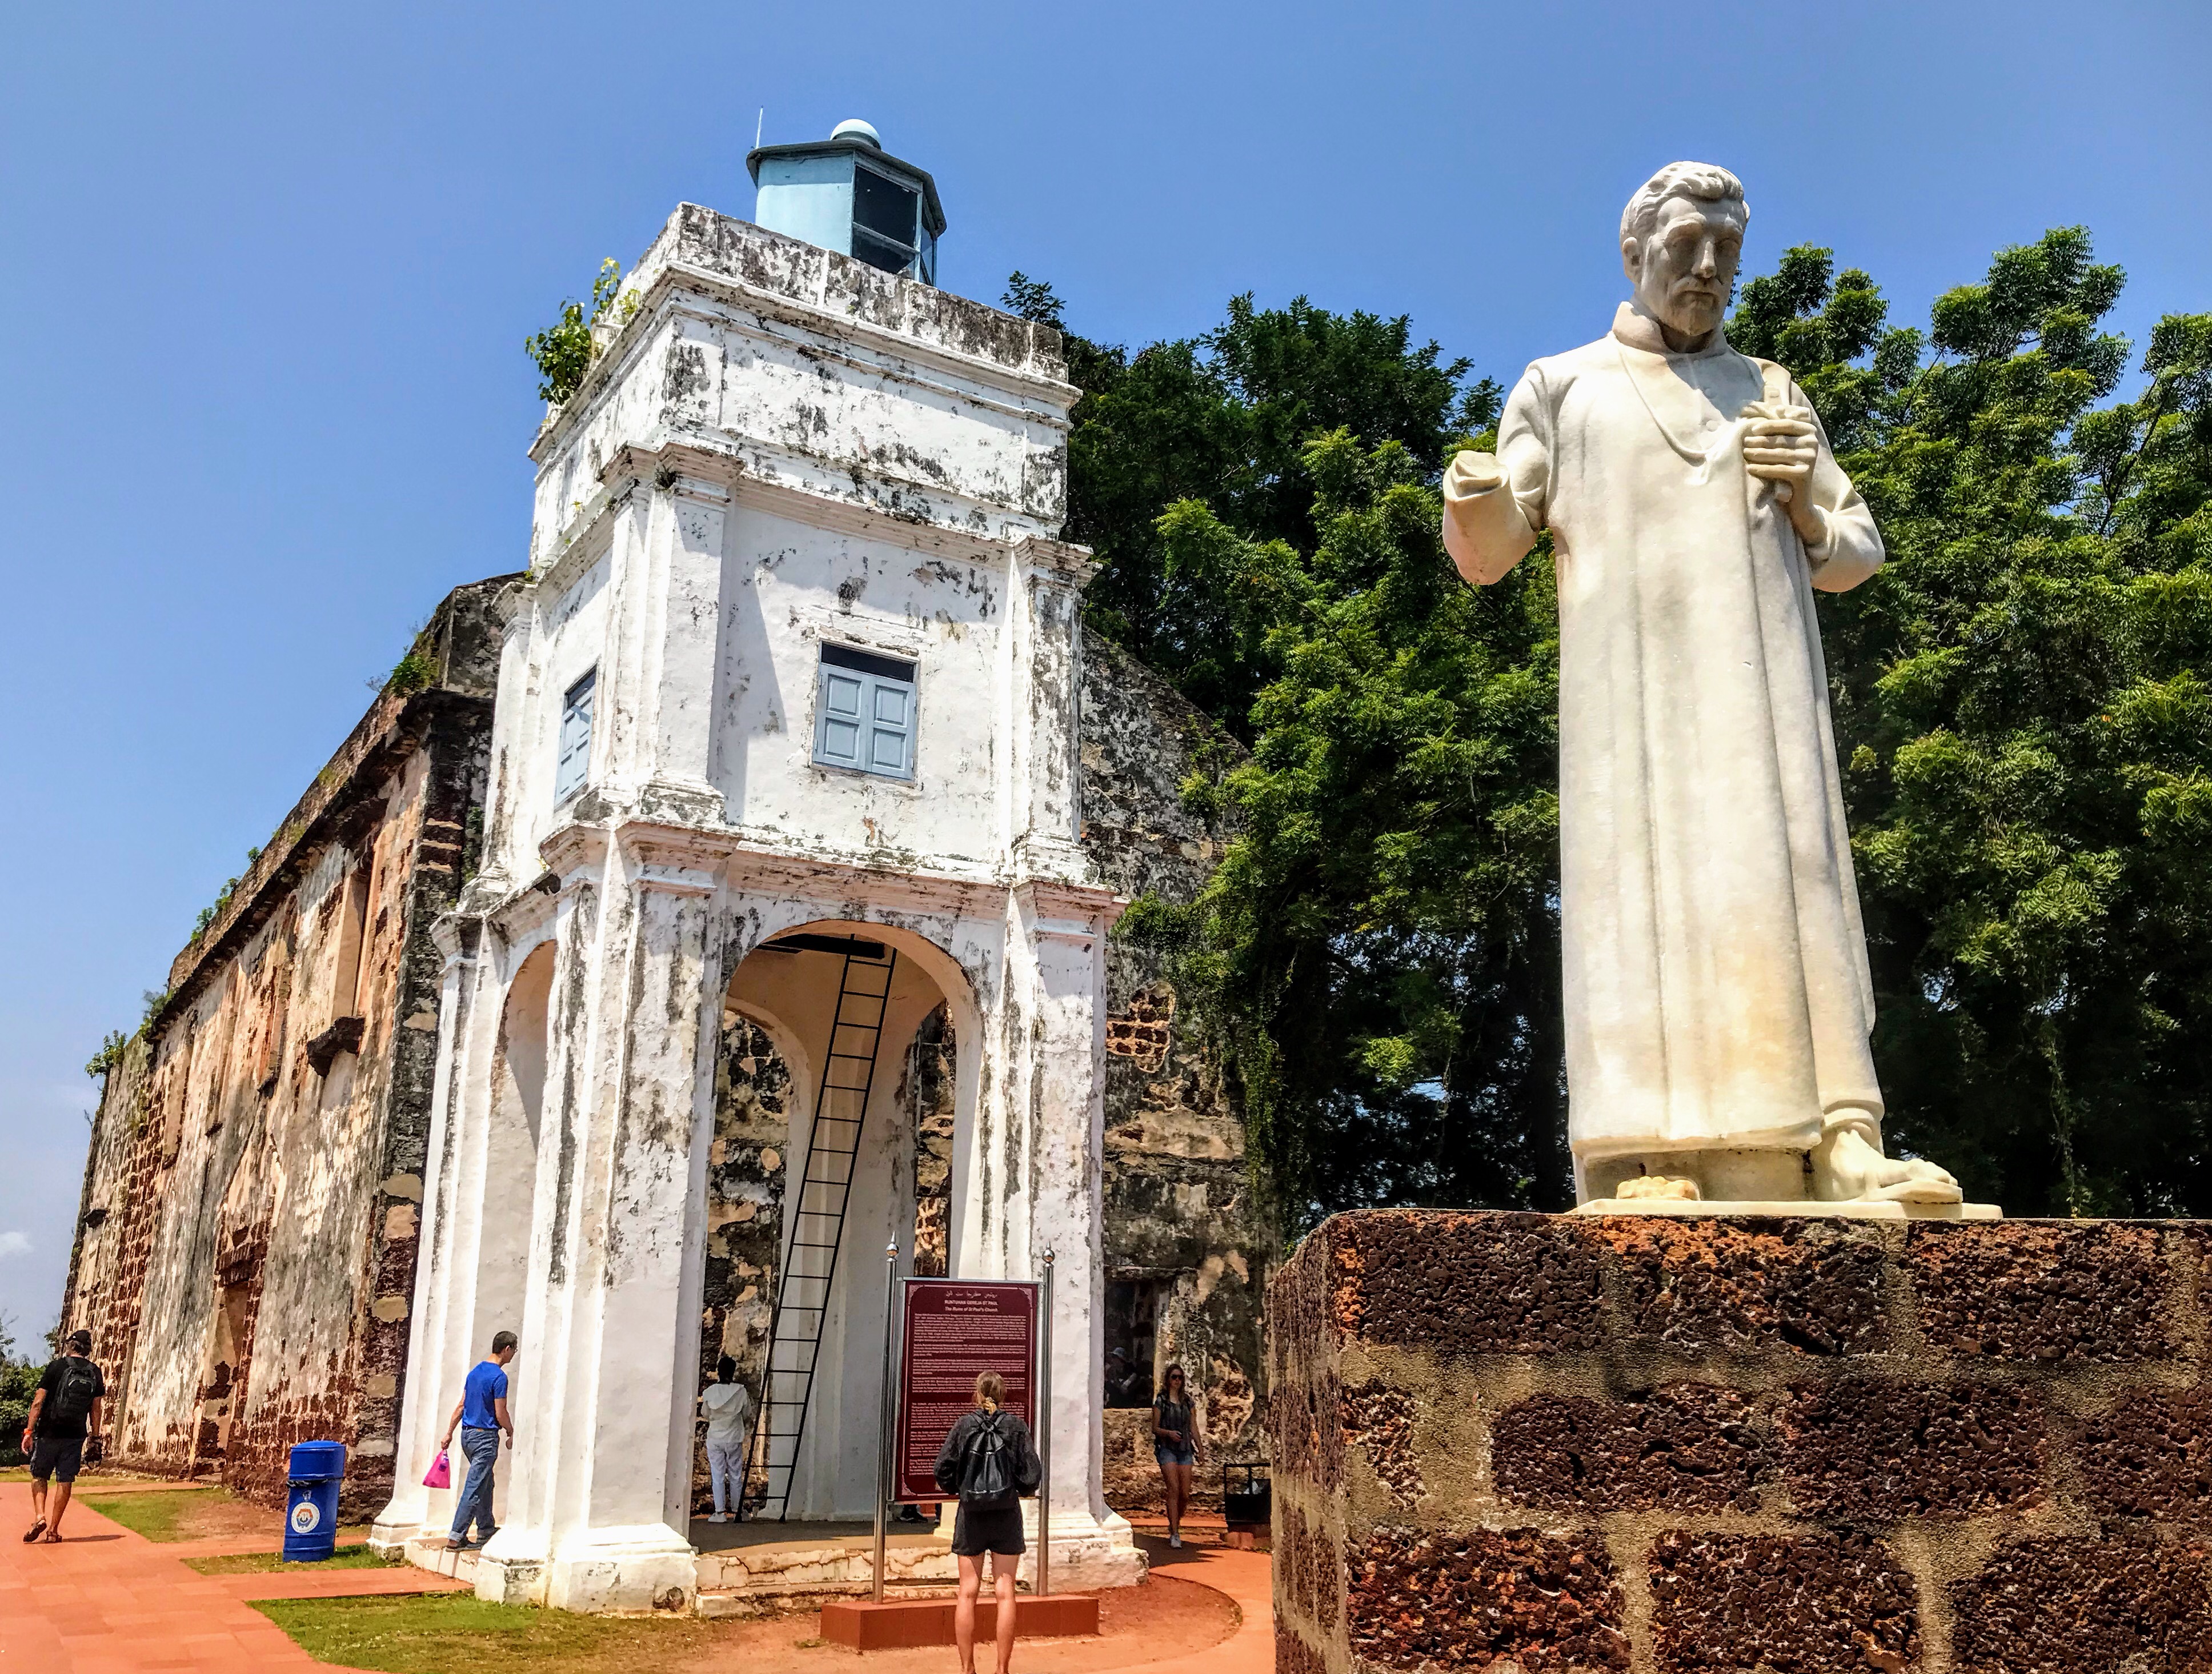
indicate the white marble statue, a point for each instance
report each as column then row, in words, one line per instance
column 1717, row 997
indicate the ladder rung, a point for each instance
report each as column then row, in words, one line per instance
column 835, row 1139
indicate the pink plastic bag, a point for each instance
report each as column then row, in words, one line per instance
column 441, row 1472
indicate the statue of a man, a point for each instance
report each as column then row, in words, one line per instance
column 1718, row 1001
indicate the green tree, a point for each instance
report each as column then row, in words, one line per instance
column 1221, row 418
column 19, row 1381
column 2026, row 733
column 1379, row 948
column 2021, row 708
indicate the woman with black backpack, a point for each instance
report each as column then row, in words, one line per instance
column 990, row 1462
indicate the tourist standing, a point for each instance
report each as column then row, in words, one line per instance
column 989, row 1461
column 481, row 1418
column 725, row 1406
column 1175, row 1445
column 64, row 1414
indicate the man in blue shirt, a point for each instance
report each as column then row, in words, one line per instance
column 481, row 1417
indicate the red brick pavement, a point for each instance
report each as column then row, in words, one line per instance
column 106, row 1601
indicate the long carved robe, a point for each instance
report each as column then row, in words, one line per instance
column 1716, row 988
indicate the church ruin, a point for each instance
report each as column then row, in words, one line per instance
column 719, row 898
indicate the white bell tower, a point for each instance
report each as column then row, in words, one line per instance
column 796, row 662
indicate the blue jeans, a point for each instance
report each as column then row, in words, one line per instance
column 482, row 1448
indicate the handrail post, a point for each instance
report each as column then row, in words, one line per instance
column 1044, row 1438
column 884, row 1407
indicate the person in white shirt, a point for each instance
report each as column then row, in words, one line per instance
column 725, row 1407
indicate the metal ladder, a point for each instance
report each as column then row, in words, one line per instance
column 817, row 1211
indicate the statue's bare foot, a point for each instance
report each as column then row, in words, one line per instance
column 1849, row 1168
column 1656, row 1185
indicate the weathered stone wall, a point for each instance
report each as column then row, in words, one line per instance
column 744, row 1216
column 1540, row 1442
column 246, row 1252
column 1182, row 1216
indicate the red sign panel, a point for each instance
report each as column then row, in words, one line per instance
column 952, row 1330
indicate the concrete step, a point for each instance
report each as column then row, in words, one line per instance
column 896, row 1624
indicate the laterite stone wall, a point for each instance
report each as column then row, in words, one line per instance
column 1694, row 1446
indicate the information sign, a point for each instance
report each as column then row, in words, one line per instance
column 955, row 1329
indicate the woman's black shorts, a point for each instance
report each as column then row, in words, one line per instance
column 980, row 1529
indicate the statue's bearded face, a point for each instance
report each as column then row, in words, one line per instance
column 1685, row 271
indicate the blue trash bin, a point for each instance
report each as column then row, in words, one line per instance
column 310, row 1508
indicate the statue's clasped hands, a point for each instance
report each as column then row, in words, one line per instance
column 1779, row 447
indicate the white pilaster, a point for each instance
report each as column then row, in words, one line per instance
column 1056, row 986
column 600, row 1525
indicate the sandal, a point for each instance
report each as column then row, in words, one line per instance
column 37, row 1528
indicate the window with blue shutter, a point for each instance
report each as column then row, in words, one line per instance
column 576, row 739
column 864, row 713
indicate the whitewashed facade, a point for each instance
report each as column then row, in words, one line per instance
column 780, row 450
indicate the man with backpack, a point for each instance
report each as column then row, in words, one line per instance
column 64, row 1414
column 989, row 1461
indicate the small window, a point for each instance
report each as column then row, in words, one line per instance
column 865, row 712
column 576, row 739
column 886, row 216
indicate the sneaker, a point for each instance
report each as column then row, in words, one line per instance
column 1176, row 1541
column 719, row 1517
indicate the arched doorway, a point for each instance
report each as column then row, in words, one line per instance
column 839, row 1103
column 510, row 1160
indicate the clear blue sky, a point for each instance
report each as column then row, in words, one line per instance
column 268, row 270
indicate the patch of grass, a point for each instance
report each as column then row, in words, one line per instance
column 438, row 1633
column 262, row 1563
column 153, row 1515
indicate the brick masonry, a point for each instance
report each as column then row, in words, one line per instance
column 251, row 1216
column 1694, row 1446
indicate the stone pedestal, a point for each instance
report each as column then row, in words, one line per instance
column 1696, row 1443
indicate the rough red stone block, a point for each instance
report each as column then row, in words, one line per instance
column 1294, row 1656
column 1494, row 1284
column 1378, row 1420
column 1307, row 1426
column 1813, row 1287
column 1859, row 1450
column 1687, row 1447
column 1723, row 1602
column 1801, row 1404
column 2019, row 1291
column 2150, row 1456
column 2084, row 1603
column 1310, row 1563
column 1468, row 1600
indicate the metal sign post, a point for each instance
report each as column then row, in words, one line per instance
column 884, row 1407
column 1044, row 1435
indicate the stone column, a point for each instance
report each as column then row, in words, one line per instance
column 1054, row 1036
column 608, row 1349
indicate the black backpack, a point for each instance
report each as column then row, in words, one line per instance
column 76, row 1388
column 987, row 1473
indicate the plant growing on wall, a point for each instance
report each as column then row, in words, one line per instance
column 564, row 350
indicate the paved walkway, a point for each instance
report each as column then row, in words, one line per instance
column 106, row 1601
column 1247, row 1579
